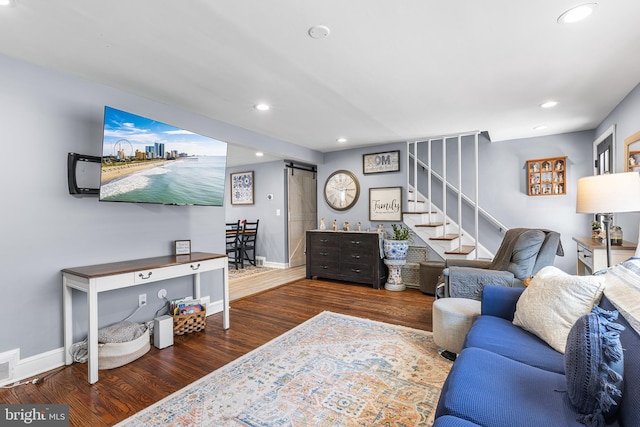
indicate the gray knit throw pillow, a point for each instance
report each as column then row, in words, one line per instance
column 594, row 367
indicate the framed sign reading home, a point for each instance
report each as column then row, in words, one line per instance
column 381, row 162
column 385, row 204
column 242, row 188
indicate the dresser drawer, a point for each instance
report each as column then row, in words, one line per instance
column 163, row 273
column 355, row 243
column 324, row 240
column 356, row 271
column 324, row 268
column 585, row 255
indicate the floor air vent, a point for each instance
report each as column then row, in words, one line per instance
column 8, row 361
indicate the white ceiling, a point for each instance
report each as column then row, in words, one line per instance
column 389, row 70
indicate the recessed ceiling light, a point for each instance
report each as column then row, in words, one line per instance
column 341, row 140
column 11, row 3
column 319, row 31
column 259, row 153
column 577, row 13
column 549, row 104
column 262, row 107
column 540, row 127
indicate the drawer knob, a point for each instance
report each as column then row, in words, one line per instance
column 197, row 267
column 355, row 256
column 141, row 275
column 356, row 270
column 324, row 253
column 355, row 242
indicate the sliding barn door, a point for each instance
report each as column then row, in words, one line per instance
column 303, row 212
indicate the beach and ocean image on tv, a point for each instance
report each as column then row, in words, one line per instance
column 146, row 161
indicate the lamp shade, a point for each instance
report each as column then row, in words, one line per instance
column 609, row 193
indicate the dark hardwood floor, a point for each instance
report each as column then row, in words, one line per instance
column 255, row 320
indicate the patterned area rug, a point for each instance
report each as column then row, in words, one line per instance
column 248, row 270
column 333, row 370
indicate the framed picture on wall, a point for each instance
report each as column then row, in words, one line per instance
column 632, row 153
column 241, row 188
column 547, row 177
column 385, row 204
column 381, row 162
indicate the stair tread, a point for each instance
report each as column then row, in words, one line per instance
column 433, row 224
column 465, row 250
column 445, row 237
column 418, row 212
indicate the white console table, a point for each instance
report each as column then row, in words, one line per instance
column 94, row 279
column 592, row 255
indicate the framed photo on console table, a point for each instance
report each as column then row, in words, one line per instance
column 182, row 247
column 385, row 204
column 381, row 162
column 242, row 188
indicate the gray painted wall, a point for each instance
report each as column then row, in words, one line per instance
column 45, row 115
column 625, row 118
column 270, row 178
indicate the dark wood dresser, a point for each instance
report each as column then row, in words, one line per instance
column 351, row 256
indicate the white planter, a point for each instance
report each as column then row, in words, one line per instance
column 396, row 249
column 395, row 252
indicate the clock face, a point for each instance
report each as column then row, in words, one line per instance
column 341, row 190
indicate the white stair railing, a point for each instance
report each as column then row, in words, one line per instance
column 414, row 158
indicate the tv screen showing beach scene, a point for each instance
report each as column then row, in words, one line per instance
column 146, row 161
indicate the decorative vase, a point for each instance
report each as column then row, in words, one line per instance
column 395, row 253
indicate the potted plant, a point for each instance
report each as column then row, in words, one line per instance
column 596, row 229
column 396, row 246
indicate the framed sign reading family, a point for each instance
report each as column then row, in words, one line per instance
column 385, row 204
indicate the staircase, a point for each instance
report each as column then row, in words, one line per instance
column 439, row 212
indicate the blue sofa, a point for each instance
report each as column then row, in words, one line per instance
column 506, row 376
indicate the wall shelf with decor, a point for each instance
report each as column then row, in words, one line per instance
column 547, row 177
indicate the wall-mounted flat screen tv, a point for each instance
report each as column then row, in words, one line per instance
column 146, row 161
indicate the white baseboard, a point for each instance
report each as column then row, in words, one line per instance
column 34, row 365
column 276, row 264
column 214, row 307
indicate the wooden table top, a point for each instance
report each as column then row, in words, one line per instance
column 109, row 269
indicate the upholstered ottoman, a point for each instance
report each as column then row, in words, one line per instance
column 452, row 319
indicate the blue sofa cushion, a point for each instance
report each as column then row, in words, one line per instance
column 492, row 390
column 498, row 335
column 594, row 366
column 500, row 301
column 449, row 421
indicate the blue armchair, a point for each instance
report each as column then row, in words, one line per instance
column 523, row 252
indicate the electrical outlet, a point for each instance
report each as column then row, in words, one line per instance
column 142, row 300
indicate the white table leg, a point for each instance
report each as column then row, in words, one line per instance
column 225, row 295
column 68, row 320
column 92, row 305
column 196, row 285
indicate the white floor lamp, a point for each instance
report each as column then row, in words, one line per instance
column 607, row 194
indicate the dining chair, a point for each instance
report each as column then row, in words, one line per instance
column 233, row 242
column 248, row 239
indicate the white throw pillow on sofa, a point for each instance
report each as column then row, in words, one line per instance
column 553, row 302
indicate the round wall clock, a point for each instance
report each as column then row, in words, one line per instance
column 341, row 190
